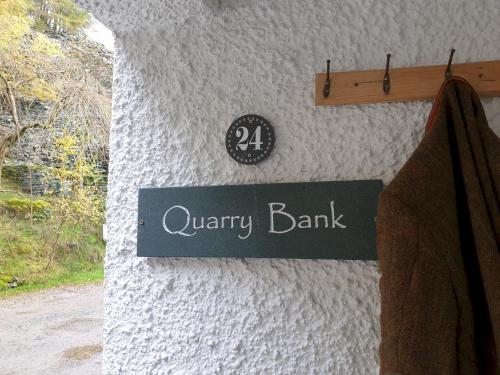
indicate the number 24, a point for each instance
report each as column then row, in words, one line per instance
column 242, row 133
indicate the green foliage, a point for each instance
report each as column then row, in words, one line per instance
column 92, row 274
column 27, row 56
column 7, row 195
column 25, row 207
column 80, row 203
column 25, row 247
column 29, row 60
column 47, row 15
column 14, row 22
column 11, row 172
column 57, row 239
column 15, row 7
column 45, row 46
column 9, row 281
column 6, row 278
column 60, row 15
column 14, row 25
column 35, row 67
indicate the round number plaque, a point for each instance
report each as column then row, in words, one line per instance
column 250, row 139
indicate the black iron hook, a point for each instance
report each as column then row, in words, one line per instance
column 448, row 74
column 326, row 88
column 387, row 78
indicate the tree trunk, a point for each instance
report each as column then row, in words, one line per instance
column 12, row 103
column 8, row 139
column 7, row 136
column 56, row 242
column 2, row 158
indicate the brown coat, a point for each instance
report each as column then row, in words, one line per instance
column 438, row 239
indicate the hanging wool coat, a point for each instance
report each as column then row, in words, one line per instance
column 438, row 240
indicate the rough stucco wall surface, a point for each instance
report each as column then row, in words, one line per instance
column 184, row 70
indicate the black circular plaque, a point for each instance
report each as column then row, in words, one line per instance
column 250, row 139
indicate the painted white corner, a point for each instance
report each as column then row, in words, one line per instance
column 184, row 70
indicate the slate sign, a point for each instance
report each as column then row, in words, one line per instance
column 312, row 220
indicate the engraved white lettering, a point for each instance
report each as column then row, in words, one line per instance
column 178, row 220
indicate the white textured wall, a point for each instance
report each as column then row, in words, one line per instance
column 184, row 70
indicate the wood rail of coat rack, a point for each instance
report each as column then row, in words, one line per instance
column 406, row 84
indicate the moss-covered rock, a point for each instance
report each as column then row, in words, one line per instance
column 24, row 206
column 7, row 281
column 6, row 278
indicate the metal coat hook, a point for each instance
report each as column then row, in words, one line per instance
column 448, row 74
column 387, row 78
column 326, row 87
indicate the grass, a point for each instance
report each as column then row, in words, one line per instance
column 26, row 247
column 8, row 185
column 72, row 278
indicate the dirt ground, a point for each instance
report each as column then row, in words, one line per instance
column 57, row 331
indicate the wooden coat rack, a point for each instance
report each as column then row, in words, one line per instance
column 402, row 84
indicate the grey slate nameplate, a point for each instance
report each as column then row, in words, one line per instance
column 311, row 220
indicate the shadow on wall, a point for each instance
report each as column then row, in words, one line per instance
column 216, row 5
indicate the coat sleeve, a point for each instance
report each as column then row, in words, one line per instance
column 397, row 247
column 418, row 305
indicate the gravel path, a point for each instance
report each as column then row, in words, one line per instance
column 57, row 331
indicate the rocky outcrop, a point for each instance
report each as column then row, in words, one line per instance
column 36, row 147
